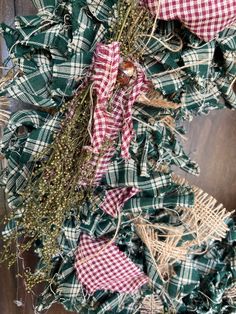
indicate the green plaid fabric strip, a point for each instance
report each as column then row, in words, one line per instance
column 103, row 10
column 143, row 204
column 227, row 39
column 186, row 278
column 97, row 224
column 68, row 292
column 231, row 237
column 229, row 65
column 122, row 173
column 199, row 60
column 45, row 5
column 192, row 279
column 69, row 236
column 201, row 76
column 64, row 32
column 156, row 134
column 168, row 83
column 28, row 134
column 194, row 100
column 224, row 86
column 126, row 304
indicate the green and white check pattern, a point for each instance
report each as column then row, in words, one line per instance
column 64, row 34
column 200, row 73
column 22, row 149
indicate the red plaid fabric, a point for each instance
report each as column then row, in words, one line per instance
column 105, row 70
column 110, row 270
column 205, row 18
column 112, row 113
column 114, row 126
column 116, row 198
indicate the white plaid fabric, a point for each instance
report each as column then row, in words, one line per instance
column 115, row 199
column 109, row 270
column 205, row 18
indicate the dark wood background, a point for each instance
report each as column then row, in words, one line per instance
column 211, row 142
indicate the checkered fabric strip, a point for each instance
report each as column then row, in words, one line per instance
column 115, row 122
column 101, row 9
column 125, row 173
column 69, row 292
column 115, row 199
column 101, row 163
column 170, row 151
column 149, row 205
column 45, row 5
column 105, row 68
column 139, row 86
column 109, row 270
column 66, row 46
column 20, row 150
column 108, row 124
column 205, row 18
column 156, row 191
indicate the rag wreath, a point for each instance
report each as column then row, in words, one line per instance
column 145, row 241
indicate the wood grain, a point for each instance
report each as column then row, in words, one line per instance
column 211, row 142
column 7, row 278
column 24, row 7
column 7, row 13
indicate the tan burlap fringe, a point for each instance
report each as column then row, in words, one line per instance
column 162, row 242
column 206, row 221
column 230, row 294
column 207, row 217
column 153, row 305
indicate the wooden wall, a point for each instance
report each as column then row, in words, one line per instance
column 211, row 142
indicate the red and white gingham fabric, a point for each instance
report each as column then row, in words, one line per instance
column 115, row 199
column 113, row 109
column 205, row 18
column 105, row 70
column 111, row 270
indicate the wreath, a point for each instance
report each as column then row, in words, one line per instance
column 89, row 177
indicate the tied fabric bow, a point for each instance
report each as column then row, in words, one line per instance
column 113, row 110
column 205, row 18
column 109, row 269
